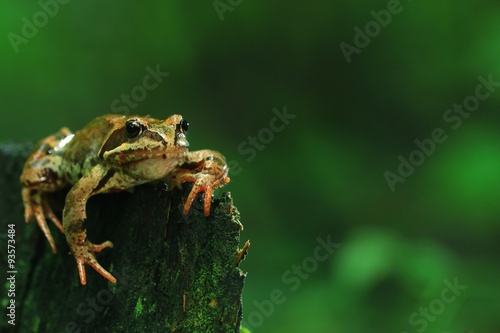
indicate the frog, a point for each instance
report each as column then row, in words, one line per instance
column 112, row 153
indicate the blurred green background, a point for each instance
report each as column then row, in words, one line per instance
column 321, row 175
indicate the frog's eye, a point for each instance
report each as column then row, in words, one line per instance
column 184, row 125
column 133, row 129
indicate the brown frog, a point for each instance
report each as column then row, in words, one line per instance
column 112, row 153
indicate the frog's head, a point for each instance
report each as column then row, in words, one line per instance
column 146, row 146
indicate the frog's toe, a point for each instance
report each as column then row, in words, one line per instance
column 190, row 199
column 208, row 201
column 48, row 211
column 42, row 223
column 28, row 213
column 102, row 246
column 90, row 260
column 99, row 269
column 197, row 188
column 80, row 264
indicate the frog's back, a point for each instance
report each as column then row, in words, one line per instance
column 82, row 152
column 63, row 158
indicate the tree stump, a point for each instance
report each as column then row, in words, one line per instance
column 175, row 273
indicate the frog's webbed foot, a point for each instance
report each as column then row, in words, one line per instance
column 36, row 204
column 84, row 254
column 213, row 174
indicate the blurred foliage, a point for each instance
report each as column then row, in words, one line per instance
column 323, row 174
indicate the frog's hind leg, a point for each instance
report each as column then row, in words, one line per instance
column 35, row 204
column 39, row 178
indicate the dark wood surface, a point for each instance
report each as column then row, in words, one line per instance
column 175, row 273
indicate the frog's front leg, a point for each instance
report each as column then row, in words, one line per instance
column 74, row 215
column 207, row 169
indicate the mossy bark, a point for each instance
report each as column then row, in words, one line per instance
column 175, row 273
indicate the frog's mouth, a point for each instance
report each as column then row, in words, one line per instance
column 172, row 154
column 135, row 157
column 156, row 165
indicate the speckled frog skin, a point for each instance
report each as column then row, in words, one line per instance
column 112, row 153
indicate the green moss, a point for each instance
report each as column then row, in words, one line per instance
column 105, row 311
column 244, row 330
column 138, row 307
